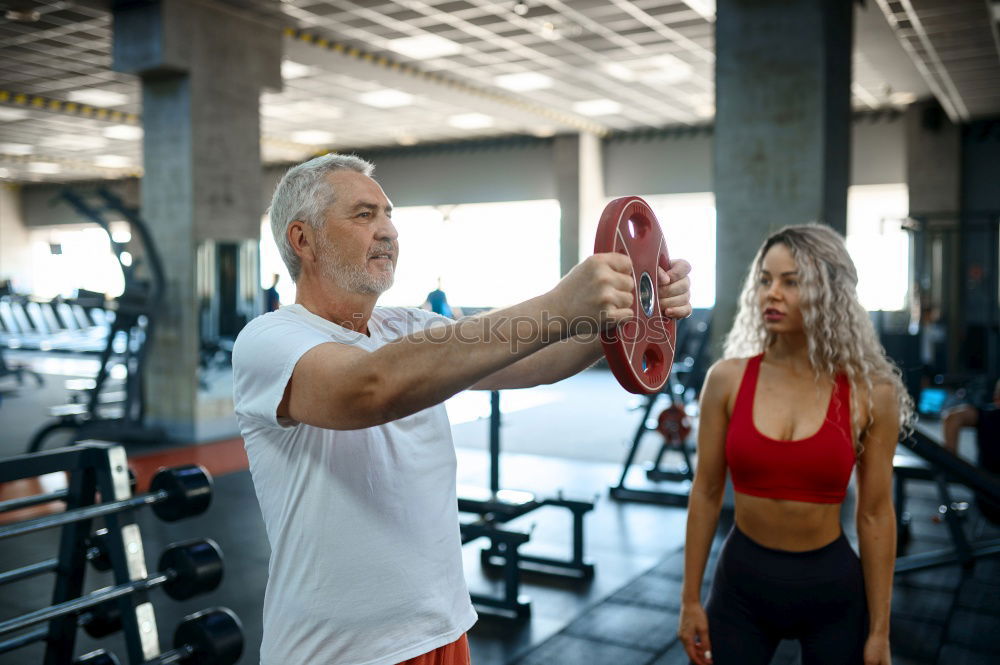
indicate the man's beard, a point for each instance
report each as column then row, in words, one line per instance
column 350, row 276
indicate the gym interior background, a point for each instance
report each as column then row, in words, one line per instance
column 139, row 146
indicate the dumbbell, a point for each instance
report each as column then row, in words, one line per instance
column 209, row 637
column 186, row 570
column 174, row 494
column 197, row 568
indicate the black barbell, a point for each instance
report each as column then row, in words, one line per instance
column 174, row 494
column 186, row 570
column 209, row 637
column 49, row 497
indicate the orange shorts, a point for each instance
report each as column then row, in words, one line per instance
column 456, row 653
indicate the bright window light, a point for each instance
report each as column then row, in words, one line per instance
column 879, row 247
column 468, row 246
column 271, row 265
column 688, row 223
column 85, row 262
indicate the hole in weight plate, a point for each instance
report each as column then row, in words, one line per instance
column 646, row 293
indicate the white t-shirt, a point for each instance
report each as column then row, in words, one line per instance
column 366, row 561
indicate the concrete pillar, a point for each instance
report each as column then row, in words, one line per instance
column 578, row 166
column 15, row 247
column 202, row 66
column 934, row 184
column 782, row 128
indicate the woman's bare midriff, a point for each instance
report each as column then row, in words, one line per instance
column 794, row 526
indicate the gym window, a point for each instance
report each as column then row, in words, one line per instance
column 879, row 246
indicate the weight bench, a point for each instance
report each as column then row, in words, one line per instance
column 937, row 465
column 494, row 508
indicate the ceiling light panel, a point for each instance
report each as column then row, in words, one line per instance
column 97, row 97
column 123, row 132
column 524, row 81
column 471, row 121
column 424, row 47
column 312, row 137
column 386, row 98
column 597, row 107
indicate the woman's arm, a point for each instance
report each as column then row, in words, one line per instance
column 876, row 520
column 704, row 504
column 954, row 420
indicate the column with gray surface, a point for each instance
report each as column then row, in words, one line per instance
column 578, row 167
column 202, row 67
column 782, row 127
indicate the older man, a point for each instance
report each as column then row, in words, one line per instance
column 340, row 406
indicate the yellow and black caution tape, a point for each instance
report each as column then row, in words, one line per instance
column 41, row 103
column 381, row 61
column 72, row 164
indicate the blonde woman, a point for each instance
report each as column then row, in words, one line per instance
column 803, row 395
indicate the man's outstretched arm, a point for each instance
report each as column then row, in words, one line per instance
column 570, row 356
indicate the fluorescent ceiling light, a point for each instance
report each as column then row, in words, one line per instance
column 16, row 149
column 98, row 97
column 619, row 71
column 386, row 98
column 45, row 168
column 544, row 132
column 312, row 137
column 424, row 47
column 113, row 161
column 523, row 81
column 9, row 115
column 594, row 107
column 704, row 7
column 294, row 70
column 471, row 121
column 74, row 142
column 123, row 132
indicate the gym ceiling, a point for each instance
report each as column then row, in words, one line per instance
column 380, row 73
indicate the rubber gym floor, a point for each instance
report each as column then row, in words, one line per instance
column 569, row 437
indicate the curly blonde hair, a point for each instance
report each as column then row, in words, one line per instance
column 840, row 335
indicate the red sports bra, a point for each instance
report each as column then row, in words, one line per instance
column 815, row 469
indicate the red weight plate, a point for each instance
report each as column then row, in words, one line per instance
column 640, row 351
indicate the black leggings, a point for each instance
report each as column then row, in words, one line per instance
column 761, row 596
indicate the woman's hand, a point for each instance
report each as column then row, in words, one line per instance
column 877, row 650
column 693, row 631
